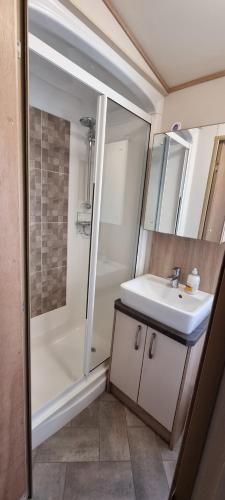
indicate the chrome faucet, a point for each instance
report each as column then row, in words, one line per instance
column 174, row 278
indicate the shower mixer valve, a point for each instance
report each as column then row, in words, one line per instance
column 83, row 223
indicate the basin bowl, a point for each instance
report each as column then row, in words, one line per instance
column 154, row 296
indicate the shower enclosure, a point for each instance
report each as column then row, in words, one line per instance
column 87, row 161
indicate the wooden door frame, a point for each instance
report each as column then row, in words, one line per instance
column 15, row 449
column 204, row 399
column 217, row 140
column 212, row 364
column 25, row 78
column 24, row 118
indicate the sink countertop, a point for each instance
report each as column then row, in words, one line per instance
column 188, row 340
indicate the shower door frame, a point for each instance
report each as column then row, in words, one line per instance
column 104, row 92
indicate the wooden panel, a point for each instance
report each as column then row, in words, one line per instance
column 169, row 251
column 126, row 360
column 214, row 223
column 197, row 81
column 187, row 388
column 12, row 427
column 161, row 378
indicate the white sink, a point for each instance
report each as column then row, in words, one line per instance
column 174, row 307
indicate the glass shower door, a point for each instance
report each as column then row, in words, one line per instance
column 125, row 153
column 62, row 116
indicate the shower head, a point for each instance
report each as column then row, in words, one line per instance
column 88, row 122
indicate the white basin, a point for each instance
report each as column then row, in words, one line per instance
column 174, row 307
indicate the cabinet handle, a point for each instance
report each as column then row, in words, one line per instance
column 151, row 346
column 137, row 338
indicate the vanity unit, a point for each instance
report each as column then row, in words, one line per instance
column 154, row 366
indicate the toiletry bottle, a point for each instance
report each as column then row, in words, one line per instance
column 193, row 282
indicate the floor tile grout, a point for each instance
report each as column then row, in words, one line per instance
column 64, row 489
column 86, row 462
column 130, row 455
column 131, row 465
column 119, row 416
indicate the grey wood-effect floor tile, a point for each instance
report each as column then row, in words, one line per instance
column 88, row 417
column 150, row 480
column 34, row 453
column 99, row 481
column 132, row 420
column 48, row 481
column 169, row 467
column 111, row 410
column 166, row 452
column 107, row 397
column 70, row 444
column 114, row 440
column 143, row 443
column 113, row 431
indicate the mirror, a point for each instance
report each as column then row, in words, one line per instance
column 186, row 193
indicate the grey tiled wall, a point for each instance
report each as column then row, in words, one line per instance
column 49, row 180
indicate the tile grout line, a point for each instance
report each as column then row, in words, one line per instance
column 131, row 464
column 64, row 488
column 99, row 437
column 54, row 171
column 84, row 462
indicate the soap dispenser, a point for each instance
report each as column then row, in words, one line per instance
column 193, row 282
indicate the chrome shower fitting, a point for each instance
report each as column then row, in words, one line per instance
column 89, row 122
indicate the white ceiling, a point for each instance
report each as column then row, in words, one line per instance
column 184, row 40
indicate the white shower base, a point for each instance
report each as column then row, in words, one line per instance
column 59, row 411
column 57, row 362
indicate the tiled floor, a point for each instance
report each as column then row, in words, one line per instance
column 105, row 453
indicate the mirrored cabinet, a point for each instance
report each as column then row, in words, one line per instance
column 186, row 184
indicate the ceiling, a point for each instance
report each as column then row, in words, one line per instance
column 183, row 42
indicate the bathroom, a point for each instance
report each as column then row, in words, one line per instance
column 125, row 243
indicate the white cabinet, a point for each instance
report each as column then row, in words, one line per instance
column 127, row 355
column 153, row 373
column 162, row 372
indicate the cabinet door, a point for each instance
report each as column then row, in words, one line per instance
column 127, row 355
column 163, row 367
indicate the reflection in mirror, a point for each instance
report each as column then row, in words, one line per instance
column 186, row 184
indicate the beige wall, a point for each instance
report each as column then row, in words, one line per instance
column 198, row 105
